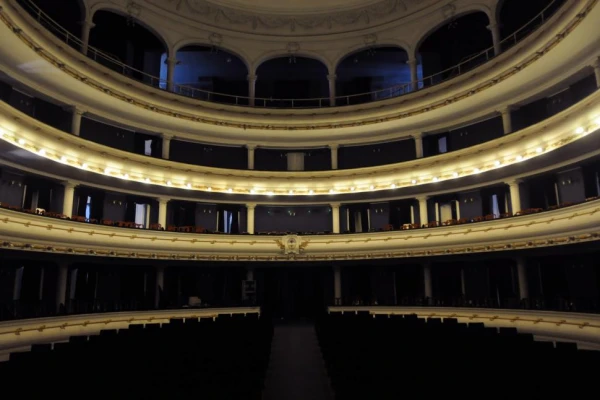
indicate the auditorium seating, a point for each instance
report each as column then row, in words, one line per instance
column 402, row 356
column 225, row 358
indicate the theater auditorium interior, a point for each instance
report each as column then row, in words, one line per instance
column 302, row 199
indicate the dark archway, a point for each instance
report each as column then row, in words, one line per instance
column 371, row 70
column 130, row 43
column 210, row 69
column 69, row 15
column 515, row 14
column 458, row 40
column 291, row 77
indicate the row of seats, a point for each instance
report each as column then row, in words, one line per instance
column 403, row 356
column 223, row 358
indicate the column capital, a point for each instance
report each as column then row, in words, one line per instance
column 75, row 109
column 69, row 184
column 167, row 136
column 252, row 77
column 514, row 182
column 88, row 23
column 417, row 135
column 332, row 77
column 251, row 146
column 412, row 62
column 335, row 205
column 163, row 200
column 334, row 146
column 250, row 206
column 171, row 61
column 422, row 198
column 596, row 63
column 493, row 26
column 507, row 109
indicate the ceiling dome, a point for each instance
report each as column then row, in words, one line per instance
column 291, row 17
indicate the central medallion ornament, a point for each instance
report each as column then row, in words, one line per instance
column 292, row 245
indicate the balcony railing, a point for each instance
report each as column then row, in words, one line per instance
column 112, row 62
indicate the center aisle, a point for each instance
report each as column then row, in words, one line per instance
column 296, row 368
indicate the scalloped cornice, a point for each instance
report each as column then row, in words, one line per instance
column 29, row 232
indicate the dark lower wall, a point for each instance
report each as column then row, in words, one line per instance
column 376, row 154
column 11, row 188
column 470, row 204
column 276, row 159
column 207, row 155
column 571, row 186
column 292, row 219
column 463, row 137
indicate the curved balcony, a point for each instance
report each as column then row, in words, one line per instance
column 568, row 225
column 223, row 124
column 461, row 68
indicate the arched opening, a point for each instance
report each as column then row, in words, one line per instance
column 216, row 74
column 458, row 41
column 373, row 74
column 292, row 77
column 514, row 15
column 69, row 15
column 130, row 43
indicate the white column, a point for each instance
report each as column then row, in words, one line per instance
column 334, row 155
column 61, row 285
column 596, row 66
column 251, row 88
column 171, row 63
column 414, row 79
column 68, row 197
column 86, row 27
column 507, row 119
column 160, row 284
column 418, row 145
column 423, row 217
column 335, row 215
column 162, row 212
column 337, row 285
column 76, row 120
column 522, row 276
column 331, row 78
column 295, row 161
column 251, row 148
column 250, row 218
column 427, row 281
column 515, row 195
column 495, row 29
column 166, row 146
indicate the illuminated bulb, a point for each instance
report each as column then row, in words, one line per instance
column 519, row 158
column 455, row 174
column 291, row 192
column 189, row 185
column 42, row 152
column 539, row 150
column 476, row 170
column 63, row 159
column 21, row 142
column 1, row 133
column 597, row 122
column 107, row 171
column 414, row 181
column 393, row 186
column 84, row 165
column 270, row 193
column 352, row 189
column 209, row 189
column 497, row 163
column 147, row 180
column 331, row 190
column 169, row 183
column 311, row 191
column 435, row 178
column 126, row 175
column 371, row 187
column 580, row 130
column 229, row 190
column 252, row 191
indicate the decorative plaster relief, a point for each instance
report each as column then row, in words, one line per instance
column 207, row 11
